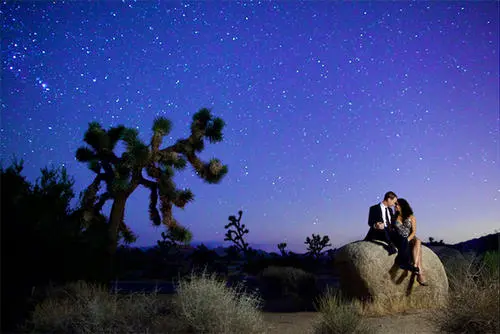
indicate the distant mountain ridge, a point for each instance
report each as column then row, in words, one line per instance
column 217, row 245
column 482, row 244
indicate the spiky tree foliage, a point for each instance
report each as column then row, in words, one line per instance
column 164, row 163
column 116, row 172
column 316, row 245
column 122, row 175
column 236, row 235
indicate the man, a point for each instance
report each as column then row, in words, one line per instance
column 380, row 220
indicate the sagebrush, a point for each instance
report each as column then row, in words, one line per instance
column 337, row 315
column 206, row 305
column 83, row 308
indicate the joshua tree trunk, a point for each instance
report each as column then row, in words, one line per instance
column 115, row 218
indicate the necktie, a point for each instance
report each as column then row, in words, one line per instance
column 387, row 216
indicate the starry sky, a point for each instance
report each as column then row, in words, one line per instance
column 327, row 106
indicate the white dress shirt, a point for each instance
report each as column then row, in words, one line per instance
column 383, row 207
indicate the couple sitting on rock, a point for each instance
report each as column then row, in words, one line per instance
column 398, row 229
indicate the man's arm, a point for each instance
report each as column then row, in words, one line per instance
column 375, row 218
column 372, row 216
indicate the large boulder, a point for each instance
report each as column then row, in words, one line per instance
column 368, row 273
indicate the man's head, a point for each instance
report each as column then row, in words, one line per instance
column 390, row 198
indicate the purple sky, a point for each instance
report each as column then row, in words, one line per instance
column 327, row 106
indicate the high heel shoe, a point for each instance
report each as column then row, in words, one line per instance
column 422, row 283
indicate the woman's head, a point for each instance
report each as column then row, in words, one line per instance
column 404, row 207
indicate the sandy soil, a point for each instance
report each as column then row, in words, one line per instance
column 405, row 323
column 301, row 322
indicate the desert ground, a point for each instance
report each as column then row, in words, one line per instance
column 404, row 323
column 414, row 322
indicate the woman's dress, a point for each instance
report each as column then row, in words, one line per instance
column 404, row 228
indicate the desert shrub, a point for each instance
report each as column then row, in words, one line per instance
column 206, row 305
column 87, row 308
column 337, row 315
column 474, row 302
column 253, row 265
column 290, row 283
column 491, row 262
column 204, row 257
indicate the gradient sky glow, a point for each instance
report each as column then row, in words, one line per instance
column 327, row 106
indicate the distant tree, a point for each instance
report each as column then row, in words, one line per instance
column 170, row 241
column 236, row 235
column 42, row 239
column 232, row 253
column 433, row 242
column 204, row 257
column 122, row 175
column 281, row 247
column 316, row 245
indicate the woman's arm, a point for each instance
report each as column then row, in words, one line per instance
column 413, row 227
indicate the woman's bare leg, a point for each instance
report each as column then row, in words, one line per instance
column 414, row 251
column 418, row 246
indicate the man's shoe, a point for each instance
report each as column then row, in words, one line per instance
column 392, row 249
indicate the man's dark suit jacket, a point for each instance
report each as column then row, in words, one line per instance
column 388, row 234
column 374, row 216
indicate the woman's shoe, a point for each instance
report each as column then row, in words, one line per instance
column 422, row 283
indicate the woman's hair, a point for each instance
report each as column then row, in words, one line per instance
column 406, row 210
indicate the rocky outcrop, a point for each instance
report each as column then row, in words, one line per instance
column 368, row 273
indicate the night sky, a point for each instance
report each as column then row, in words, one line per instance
column 327, row 106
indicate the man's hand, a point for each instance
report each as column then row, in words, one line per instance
column 379, row 226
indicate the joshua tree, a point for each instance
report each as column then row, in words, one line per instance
column 281, row 247
column 316, row 245
column 119, row 173
column 122, row 175
column 236, row 235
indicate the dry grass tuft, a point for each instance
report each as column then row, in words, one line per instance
column 399, row 304
column 337, row 315
column 87, row 308
column 206, row 305
column 474, row 304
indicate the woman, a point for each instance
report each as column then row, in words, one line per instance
column 406, row 226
